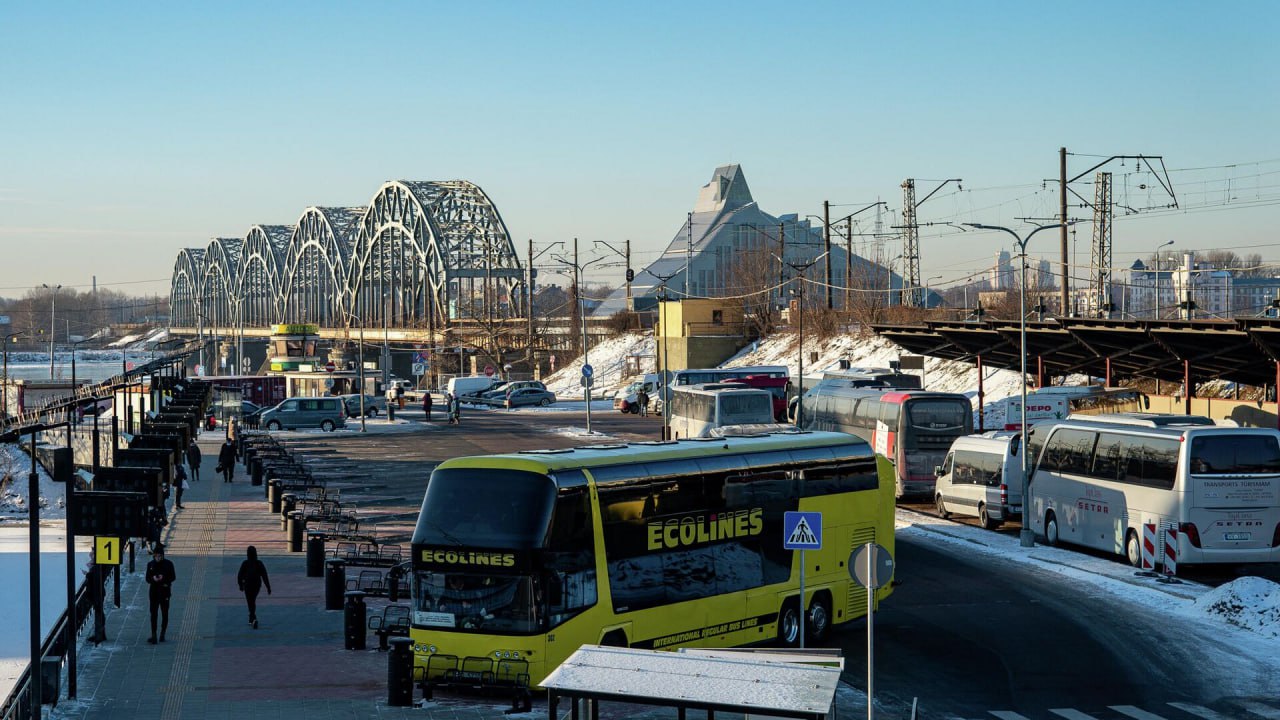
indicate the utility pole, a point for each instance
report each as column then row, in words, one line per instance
column 1062, row 217
column 913, row 293
column 1100, row 275
column 826, row 245
column 848, row 264
column 528, row 305
column 782, row 254
column 688, row 257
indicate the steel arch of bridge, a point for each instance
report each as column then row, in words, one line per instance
column 421, row 255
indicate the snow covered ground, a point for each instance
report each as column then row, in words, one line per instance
column 16, row 466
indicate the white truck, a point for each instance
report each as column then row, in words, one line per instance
column 626, row 400
column 474, row 385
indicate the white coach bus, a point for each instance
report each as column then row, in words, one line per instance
column 1097, row 483
column 696, row 410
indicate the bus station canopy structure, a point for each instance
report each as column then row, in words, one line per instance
column 740, row 684
column 1244, row 350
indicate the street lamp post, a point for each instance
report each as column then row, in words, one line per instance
column 360, row 370
column 579, row 269
column 1156, row 253
column 1025, row 538
column 926, row 289
column 800, row 269
column 53, row 306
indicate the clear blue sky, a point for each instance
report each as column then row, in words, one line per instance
column 131, row 131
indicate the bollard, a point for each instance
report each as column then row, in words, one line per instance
column 335, row 583
column 400, row 673
column 391, row 412
column 393, row 584
column 297, row 530
column 353, row 630
column 315, row 554
column 273, row 496
column 131, row 546
column 255, row 472
column 288, row 504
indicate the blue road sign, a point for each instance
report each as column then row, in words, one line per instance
column 802, row 531
column 588, row 371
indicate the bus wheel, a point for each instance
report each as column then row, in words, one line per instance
column 1050, row 529
column 614, row 638
column 985, row 518
column 1132, row 549
column 942, row 508
column 819, row 619
column 789, row 624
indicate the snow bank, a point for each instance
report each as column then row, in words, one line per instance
column 15, row 464
column 1251, row 603
column 608, row 360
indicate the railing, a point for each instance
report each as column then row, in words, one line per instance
column 18, row 704
column 703, row 329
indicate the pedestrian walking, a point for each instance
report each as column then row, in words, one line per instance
column 179, row 483
column 227, row 460
column 390, row 396
column 252, row 578
column 400, row 395
column 156, row 522
column 426, row 405
column 193, row 460
column 233, row 432
column 455, row 410
column 160, row 577
column 642, row 399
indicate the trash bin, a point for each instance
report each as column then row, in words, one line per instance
column 288, row 504
column 400, row 672
column 353, row 621
column 50, row 679
column 335, row 583
column 273, row 496
column 315, row 554
column 297, row 530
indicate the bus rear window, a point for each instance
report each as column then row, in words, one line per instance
column 1235, row 455
column 937, row 414
column 745, row 408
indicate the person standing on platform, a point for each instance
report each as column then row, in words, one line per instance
column 160, row 577
column 179, row 483
column 193, row 460
column 642, row 399
column 252, row 578
column 227, row 460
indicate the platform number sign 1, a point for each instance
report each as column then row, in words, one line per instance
column 106, row 550
column 802, row 531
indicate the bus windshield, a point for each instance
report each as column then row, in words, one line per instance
column 476, row 601
column 485, row 508
column 936, row 415
column 1235, row 455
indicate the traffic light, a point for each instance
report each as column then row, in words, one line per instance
column 631, row 274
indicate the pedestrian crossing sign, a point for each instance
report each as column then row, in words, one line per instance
column 802, row 531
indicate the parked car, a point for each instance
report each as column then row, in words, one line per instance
column 373, row 405
column 326, row 413
column 250, row 413
column 501, row 390
column 521, row 397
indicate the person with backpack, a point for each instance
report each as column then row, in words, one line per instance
column 252, row 578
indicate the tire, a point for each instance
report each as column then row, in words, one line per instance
column 1051, row 537
column 942, row 508
column 819, row 620
column 373, row 412
column 273, row 425
column 789, row 624
column 327, row 426
column 545, row 402
column 1133, row 549
column 985, row 518
column 633, row 409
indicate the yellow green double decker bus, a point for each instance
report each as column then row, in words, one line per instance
column 520, row 559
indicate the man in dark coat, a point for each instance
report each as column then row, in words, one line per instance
column 227, row 460
column 160, row 578
column 426, row 405
column 193, row 460
column 252, row 578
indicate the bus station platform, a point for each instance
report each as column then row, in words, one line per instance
column 212, row 663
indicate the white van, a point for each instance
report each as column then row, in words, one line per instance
column 982, row 477
column 626, row 400
column 469, row 385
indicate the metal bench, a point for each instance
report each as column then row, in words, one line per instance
column 393, row 620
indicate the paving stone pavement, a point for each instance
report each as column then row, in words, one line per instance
column 212, row 663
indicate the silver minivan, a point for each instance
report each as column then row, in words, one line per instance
column 982, row 477
column 326, row 413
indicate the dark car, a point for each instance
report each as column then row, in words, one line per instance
column 249, row 413
column 521, row 397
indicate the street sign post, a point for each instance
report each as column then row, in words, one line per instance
column 488, row 371
column 419, row 369
column 246, row 363
column 871, row 566
column 588, row 371
column 802, row 531
column 330, row 366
